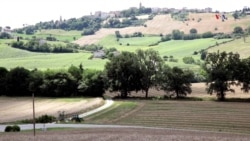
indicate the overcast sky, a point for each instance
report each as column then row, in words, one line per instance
column 15, row 13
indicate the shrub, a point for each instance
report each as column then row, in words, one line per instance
column 51, row 38
column 8, row 129
column 5, row 35
column 88, row 32
column 193, row 31
column 14, row 128
column 45, row 119
column 188, row 60
column 195, row 52
column 126, row 36
column 166, row 38
column 207, row 35
column 238, row 30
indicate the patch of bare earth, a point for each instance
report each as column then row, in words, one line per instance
column 124, row 134
column 198, row 91
column 13, row 109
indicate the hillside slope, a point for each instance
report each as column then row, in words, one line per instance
column 165, row 24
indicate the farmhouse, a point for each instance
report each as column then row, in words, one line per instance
column 99, row 54
column 7, row 30
column 246, row 10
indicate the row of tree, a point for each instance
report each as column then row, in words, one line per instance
column 51, row 83
column 193, row 34
column 124, row 73
column 143, row 70
column 83, row 23
column 40, row 45
column 129, row 72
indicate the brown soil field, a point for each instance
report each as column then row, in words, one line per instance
column 165, row 24
column 198, row 91
column 124, row 134
column 13, row 109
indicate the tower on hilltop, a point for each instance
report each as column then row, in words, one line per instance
column 60, row 19
column 140, row 5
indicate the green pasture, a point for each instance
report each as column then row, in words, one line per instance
column 134, row 42
column 237, row 46
column 140, row 41
column 59, row 34
column 11, row 57
column 176, row 48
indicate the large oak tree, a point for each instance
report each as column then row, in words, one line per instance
column 124, row 74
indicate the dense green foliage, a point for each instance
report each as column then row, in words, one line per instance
column 22, row 82
column 45, row 119
column 188, row 60
column 133, row 72
column 40, row 45
column 14, row 128
column 136, row 11
column 150, row 65
column 225, row 70
column 177, row 81
column 124, row 73
column 4, row 35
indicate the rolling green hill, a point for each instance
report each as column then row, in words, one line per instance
column 10, row 57
column 237, row 46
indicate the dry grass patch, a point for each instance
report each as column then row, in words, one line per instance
column 15, row 109
column 165, row 24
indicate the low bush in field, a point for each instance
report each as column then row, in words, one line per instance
column 14, row 128
column 41, row 119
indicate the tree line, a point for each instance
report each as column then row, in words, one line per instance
column 129, row 72
column 51, row 83
column 81, row 24
column 40, row 45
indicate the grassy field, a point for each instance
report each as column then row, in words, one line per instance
column 59, row 34
column 237, row 46
column 176, row 48
column 11, row 57
column 164, row 24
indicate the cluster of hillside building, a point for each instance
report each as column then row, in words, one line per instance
column 157, row 10
column 6, row 29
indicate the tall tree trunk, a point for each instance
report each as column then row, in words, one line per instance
column 124, row 93
column 222, row 96
column 146, row 95
column 177, row 94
